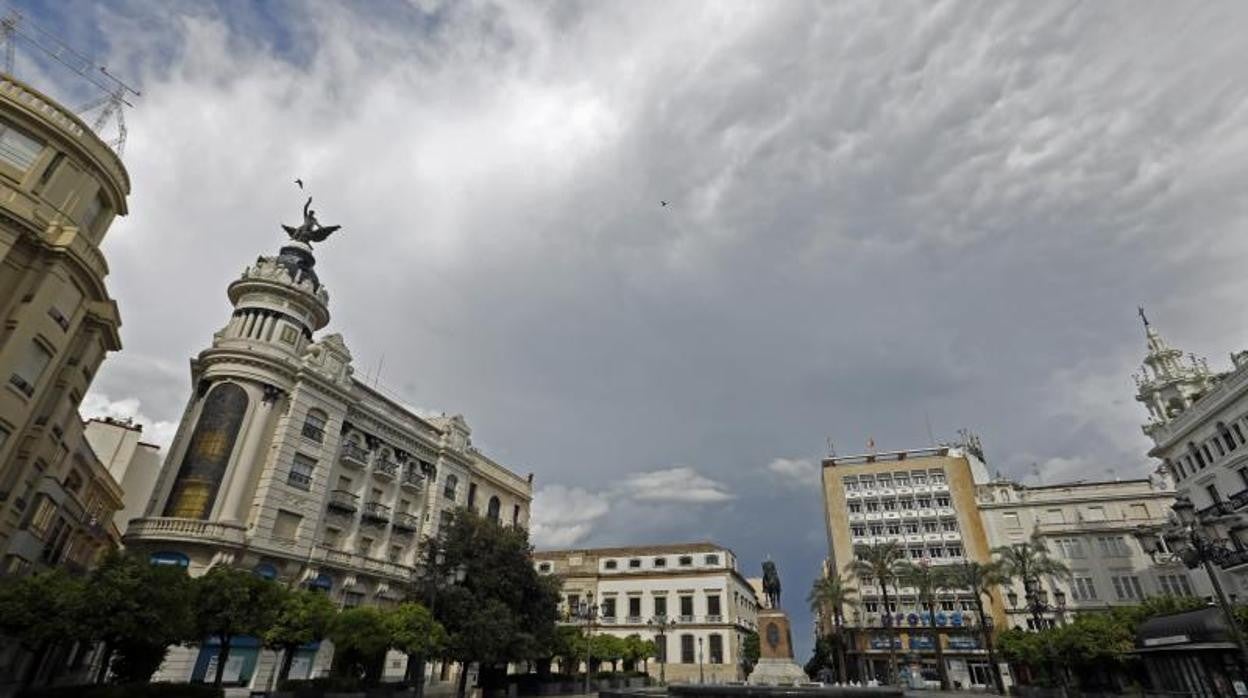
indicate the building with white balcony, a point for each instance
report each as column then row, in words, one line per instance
column 696, row 587
column 924, row 501
column 1107, row 533
column 284, row 463
column 1198, row 421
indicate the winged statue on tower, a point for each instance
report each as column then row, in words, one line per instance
column 311, row 230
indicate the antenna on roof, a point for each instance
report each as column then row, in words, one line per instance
column 111, row 103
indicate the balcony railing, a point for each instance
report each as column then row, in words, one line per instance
column 313, row 432
column 1234, row 559
column 412, row 478
column 386, row 468
column 1225, row 508
column 22, row 385
column 354, row 455
column 344, row 501
column 376, row 512
column 406, row 522
column 171, row 528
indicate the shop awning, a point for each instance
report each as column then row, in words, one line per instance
column 1202, row 629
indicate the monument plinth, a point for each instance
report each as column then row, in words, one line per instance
column 776, row 666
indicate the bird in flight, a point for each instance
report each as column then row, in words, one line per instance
column 299, row 182
column 663, row 203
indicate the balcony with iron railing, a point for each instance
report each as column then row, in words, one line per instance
column 354, row 456
column 386, row 469
column 344, row 501
column 405, row 522
column 376, row 512
column 412, row 479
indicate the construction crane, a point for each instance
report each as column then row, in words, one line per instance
column 111, row 104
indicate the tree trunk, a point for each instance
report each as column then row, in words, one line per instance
column 288, row 658
column 462, row 689
column 223, row 655
column 894, row 676
column 106, row 656
column 841, row 656
column 942, row 671
column 992, row 655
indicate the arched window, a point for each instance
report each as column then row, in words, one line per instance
column 492, row 511
column 314, row 425
column 208, row 453
column 452, row 483
column 1227, row 439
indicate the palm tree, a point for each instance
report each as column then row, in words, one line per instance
column 1026, row 563
column 928, row 580
column 831, row 593
column 980, row 578
column 879, row 561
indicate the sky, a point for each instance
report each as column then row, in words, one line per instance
column 884, row 221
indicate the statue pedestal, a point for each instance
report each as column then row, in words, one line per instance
column 775, row 665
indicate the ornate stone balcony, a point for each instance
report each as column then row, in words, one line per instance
column 386, row 469
column 344, row 501
column 404, row 522
column 412, row 479
column 376, row 512
column 354, row 456
column 190, row 530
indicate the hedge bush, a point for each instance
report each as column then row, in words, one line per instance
column 136, row 690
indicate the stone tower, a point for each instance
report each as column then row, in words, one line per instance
column 1167, row 385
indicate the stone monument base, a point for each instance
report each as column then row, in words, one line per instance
column 771, row 671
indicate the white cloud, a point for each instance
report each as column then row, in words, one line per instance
column 681, row 484
column 155, row 431
column 800, row 471
column 562, row 516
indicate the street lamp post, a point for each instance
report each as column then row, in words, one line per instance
column 587, row 611
column 701, row 673
column 453, row 577
column 660, row 625
column 1199, row 548
column 1036, row 600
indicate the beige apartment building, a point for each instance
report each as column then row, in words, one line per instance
column 132, row 462
column 60, row 188
column 1107, row 533
column 925, row 501
column 284, row 463
column 695, row 586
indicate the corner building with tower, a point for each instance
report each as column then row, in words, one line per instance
column 285, row 464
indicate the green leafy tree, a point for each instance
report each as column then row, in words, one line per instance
column 751, row 650
column 1028, row 563
column 828, row 597
column 230, row 603
column 636, row 650
column 569, row 647
column 607, row 648
column 136, row 610
column 361, row 637
column 928, row 579
column 303, row 616
column 981, row 579
column 39, row 611
column 503, row 610
column 414, row 632
column 879, row 561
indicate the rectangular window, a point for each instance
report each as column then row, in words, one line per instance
column 332, row 538
column 716, row 649
column 1214, row 496
column 1094, row 513
column 41, row 519
column 1127, row 587
column 1083, row 589
column 634, row 606
column 30, row 368
column 712, row 605
column 96, row 213
column 634, row 564
column 55, row 541
column 1054, row 516
column 686, row 650
column 314, row 426
column 608, row 607
column 660, row 606
column 472, row 493
column 686, row 607
column 396, row 552
column 365, row 546
column 301, row 469
column 286, row 527
column 351, row 599
column 660, row 562
column 344, row 483
column 1138, row 511
column 17, row 149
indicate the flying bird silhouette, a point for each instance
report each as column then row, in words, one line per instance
column 663, row 203
column 299, row 182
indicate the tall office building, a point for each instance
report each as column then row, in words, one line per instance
column 60, row 189
column 695, row 586
column 284, row 463
column 925, row 501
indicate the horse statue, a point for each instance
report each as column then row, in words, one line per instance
column 771, row 584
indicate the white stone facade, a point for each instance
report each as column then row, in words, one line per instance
column 1198, row 421
column 1103, row 531
column 285, row 464
column 696, row 585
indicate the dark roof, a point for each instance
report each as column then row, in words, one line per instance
column 696, row 547
column 1204, row 625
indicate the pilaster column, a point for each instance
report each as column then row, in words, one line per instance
column 233, row 508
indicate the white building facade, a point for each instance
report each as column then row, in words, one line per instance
column 287, row 465
column 134, row 463
column 1105, row 532
column 1198, row 421
column 695, row 585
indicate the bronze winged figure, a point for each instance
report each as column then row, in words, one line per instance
column 311, row 230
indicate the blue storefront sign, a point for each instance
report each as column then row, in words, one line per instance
column 881, row 643
column 963, row 642
column 922, row 642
